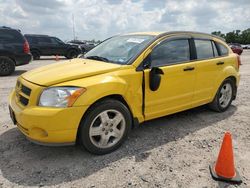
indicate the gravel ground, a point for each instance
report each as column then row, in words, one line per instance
column 173, row 151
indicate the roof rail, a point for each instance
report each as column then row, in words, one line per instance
column 36, row 35
column 189, row 32
column 5, row 27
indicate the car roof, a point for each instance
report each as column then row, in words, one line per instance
column 9, row 28
column 162, row 34
column 36, row 35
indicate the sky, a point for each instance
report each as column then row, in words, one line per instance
column 100, row 19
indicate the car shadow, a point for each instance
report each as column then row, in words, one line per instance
column 18, row 72
column 51, row 58
column 28, row 164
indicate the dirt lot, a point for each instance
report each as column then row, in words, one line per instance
column 172, row 151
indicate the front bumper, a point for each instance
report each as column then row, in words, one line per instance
column 23, row 59
column 46, row 126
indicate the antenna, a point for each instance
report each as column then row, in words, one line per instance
column 73, row 25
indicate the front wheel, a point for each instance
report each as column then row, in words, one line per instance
column 224, row 96
column 71, row 54
column 105, row 127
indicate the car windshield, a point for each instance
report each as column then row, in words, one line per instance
column 119, row 49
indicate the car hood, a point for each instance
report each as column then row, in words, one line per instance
column 69, row 70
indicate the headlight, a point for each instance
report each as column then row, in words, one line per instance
column 60, row 96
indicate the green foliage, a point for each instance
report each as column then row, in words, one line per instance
column 236, row 36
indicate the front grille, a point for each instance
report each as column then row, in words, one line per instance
column 25, row 90
column 23, row 100
column 22, row 93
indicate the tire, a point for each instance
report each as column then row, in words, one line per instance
column 105, row 127
column 224, row 96
column 36, row 55
column 71, row 54
column 7, row 66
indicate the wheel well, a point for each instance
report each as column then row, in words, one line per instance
column 115, row 97
column 235, row 89
column 232, row 78
column 11, row 58
column 35, row 50
column 71, row 49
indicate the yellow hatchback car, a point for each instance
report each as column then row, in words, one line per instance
column 127, row 79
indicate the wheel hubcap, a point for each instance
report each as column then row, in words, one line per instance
column 107, row 128
column 4, row 66
column 225, row 95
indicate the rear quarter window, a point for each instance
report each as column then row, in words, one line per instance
column 223, row 49
column 11, row 36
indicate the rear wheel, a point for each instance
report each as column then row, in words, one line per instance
column 36, row 55
column 7, row 66
column 105, row 127
column 224, row 96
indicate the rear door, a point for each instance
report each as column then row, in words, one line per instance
column 208, row 66
column 176, row 89
column 45, row 45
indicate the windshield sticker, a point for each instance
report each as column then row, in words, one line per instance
column 135, row 40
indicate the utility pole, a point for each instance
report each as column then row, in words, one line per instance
column 73, row 24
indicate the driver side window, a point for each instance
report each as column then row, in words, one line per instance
column 170, row 52
column 56, row 41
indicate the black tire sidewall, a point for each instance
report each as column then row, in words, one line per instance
column 11, row 66
column 89, row 117
column 71, row 53
column 36, row 55
column 221, row 109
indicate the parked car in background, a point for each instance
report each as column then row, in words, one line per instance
column 237, row 48
column 125, row 80
column 84, row 45
column 245, row 46
column 14, row 50
column 44, row 45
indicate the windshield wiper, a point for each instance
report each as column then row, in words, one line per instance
column 95, row 57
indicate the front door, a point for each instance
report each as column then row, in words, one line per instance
column 176, row 89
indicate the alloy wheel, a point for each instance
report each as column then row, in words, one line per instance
column 107, row 128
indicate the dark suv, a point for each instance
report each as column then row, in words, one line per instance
column 84, row 45
column 47, row 45
column 14, row 50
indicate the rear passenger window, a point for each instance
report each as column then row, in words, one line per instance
column 204, row 49
column 44, row 40
column 223, row 49
column 169, row 52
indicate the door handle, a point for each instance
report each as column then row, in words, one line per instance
column 188, row 69
column 220, row 63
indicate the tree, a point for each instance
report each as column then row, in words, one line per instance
column 235, row 36
column 218, row 33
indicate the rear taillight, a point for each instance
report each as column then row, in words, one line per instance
column 26, row 47
column 238, row 61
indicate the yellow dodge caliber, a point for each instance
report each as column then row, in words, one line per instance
column 127, row 79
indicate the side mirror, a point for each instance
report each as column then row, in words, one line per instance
column 155, row 78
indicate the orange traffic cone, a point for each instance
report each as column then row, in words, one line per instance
column 57, row 58
column 224, row 169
